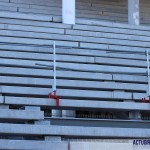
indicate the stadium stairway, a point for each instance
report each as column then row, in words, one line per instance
column 105, row 74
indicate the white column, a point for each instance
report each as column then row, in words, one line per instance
column 68, row 11
column 134, row 12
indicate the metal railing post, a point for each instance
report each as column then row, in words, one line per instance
column 54, row 67
column 148, row 92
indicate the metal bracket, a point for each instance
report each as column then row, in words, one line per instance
column 57, row 98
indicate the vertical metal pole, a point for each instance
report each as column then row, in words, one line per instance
column 147, row 53
column 55, row 112
column 54, row 69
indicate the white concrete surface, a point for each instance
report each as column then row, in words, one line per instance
column 68, row 11
column 134, row 12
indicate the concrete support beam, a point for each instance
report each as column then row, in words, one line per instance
column 134, row 12
column 1, row 99
column 135, row 115
column 56, row 113
column 68, row 113
column 88, row 122
column 32, row 108
column 72, row 104
column 4, row 106
column 22, row 115
column 76, row 131
column 68, row 11
column 53, row 138
column 32, row 144
column 42, row 122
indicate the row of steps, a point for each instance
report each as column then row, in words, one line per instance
column 96, row 79
column 94, row 68
column 113, row 76
column 115, row 11
column 23, row 127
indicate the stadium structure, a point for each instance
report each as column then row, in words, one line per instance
column 74, row 74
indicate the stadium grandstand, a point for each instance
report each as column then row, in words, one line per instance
column 74, row 74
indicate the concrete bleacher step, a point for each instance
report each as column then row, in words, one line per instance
column 77, row 59
column 20, row 115
column 107, row 32
column 25, row 17
column 98, row 122
column 115, row 36
column 36, row 29
column 77, row 104
column 31, row 144
column 41, row 73
column 110, row 11
column 69, row 38
column 75, row 67
column 72, row 84
column 99, row 25
column 115, row 31
column 39, row 42
column 69, row 93
column 30, row 22
column 111, row 47
column 72, row 131
column 86, row 54
column 43, row 50
column 46, row 57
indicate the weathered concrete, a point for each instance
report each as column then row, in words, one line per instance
column 20, row 129
column 68, row 113
column 114, row 11
column 7, row 114
column 53, row 138
column 105, row 145
column 135, row 115
column 73, row 145
column 24, row 91
column 68, row 11
column 95, row 122
column 104, row 60
column 34, row 145
column 42, row 122
column 1, row 99
column 4, row 106
column 134, row 12
column 24, row 16
column 32, row 108
column 79, row 104
column 73, row 84
column 56, row 113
